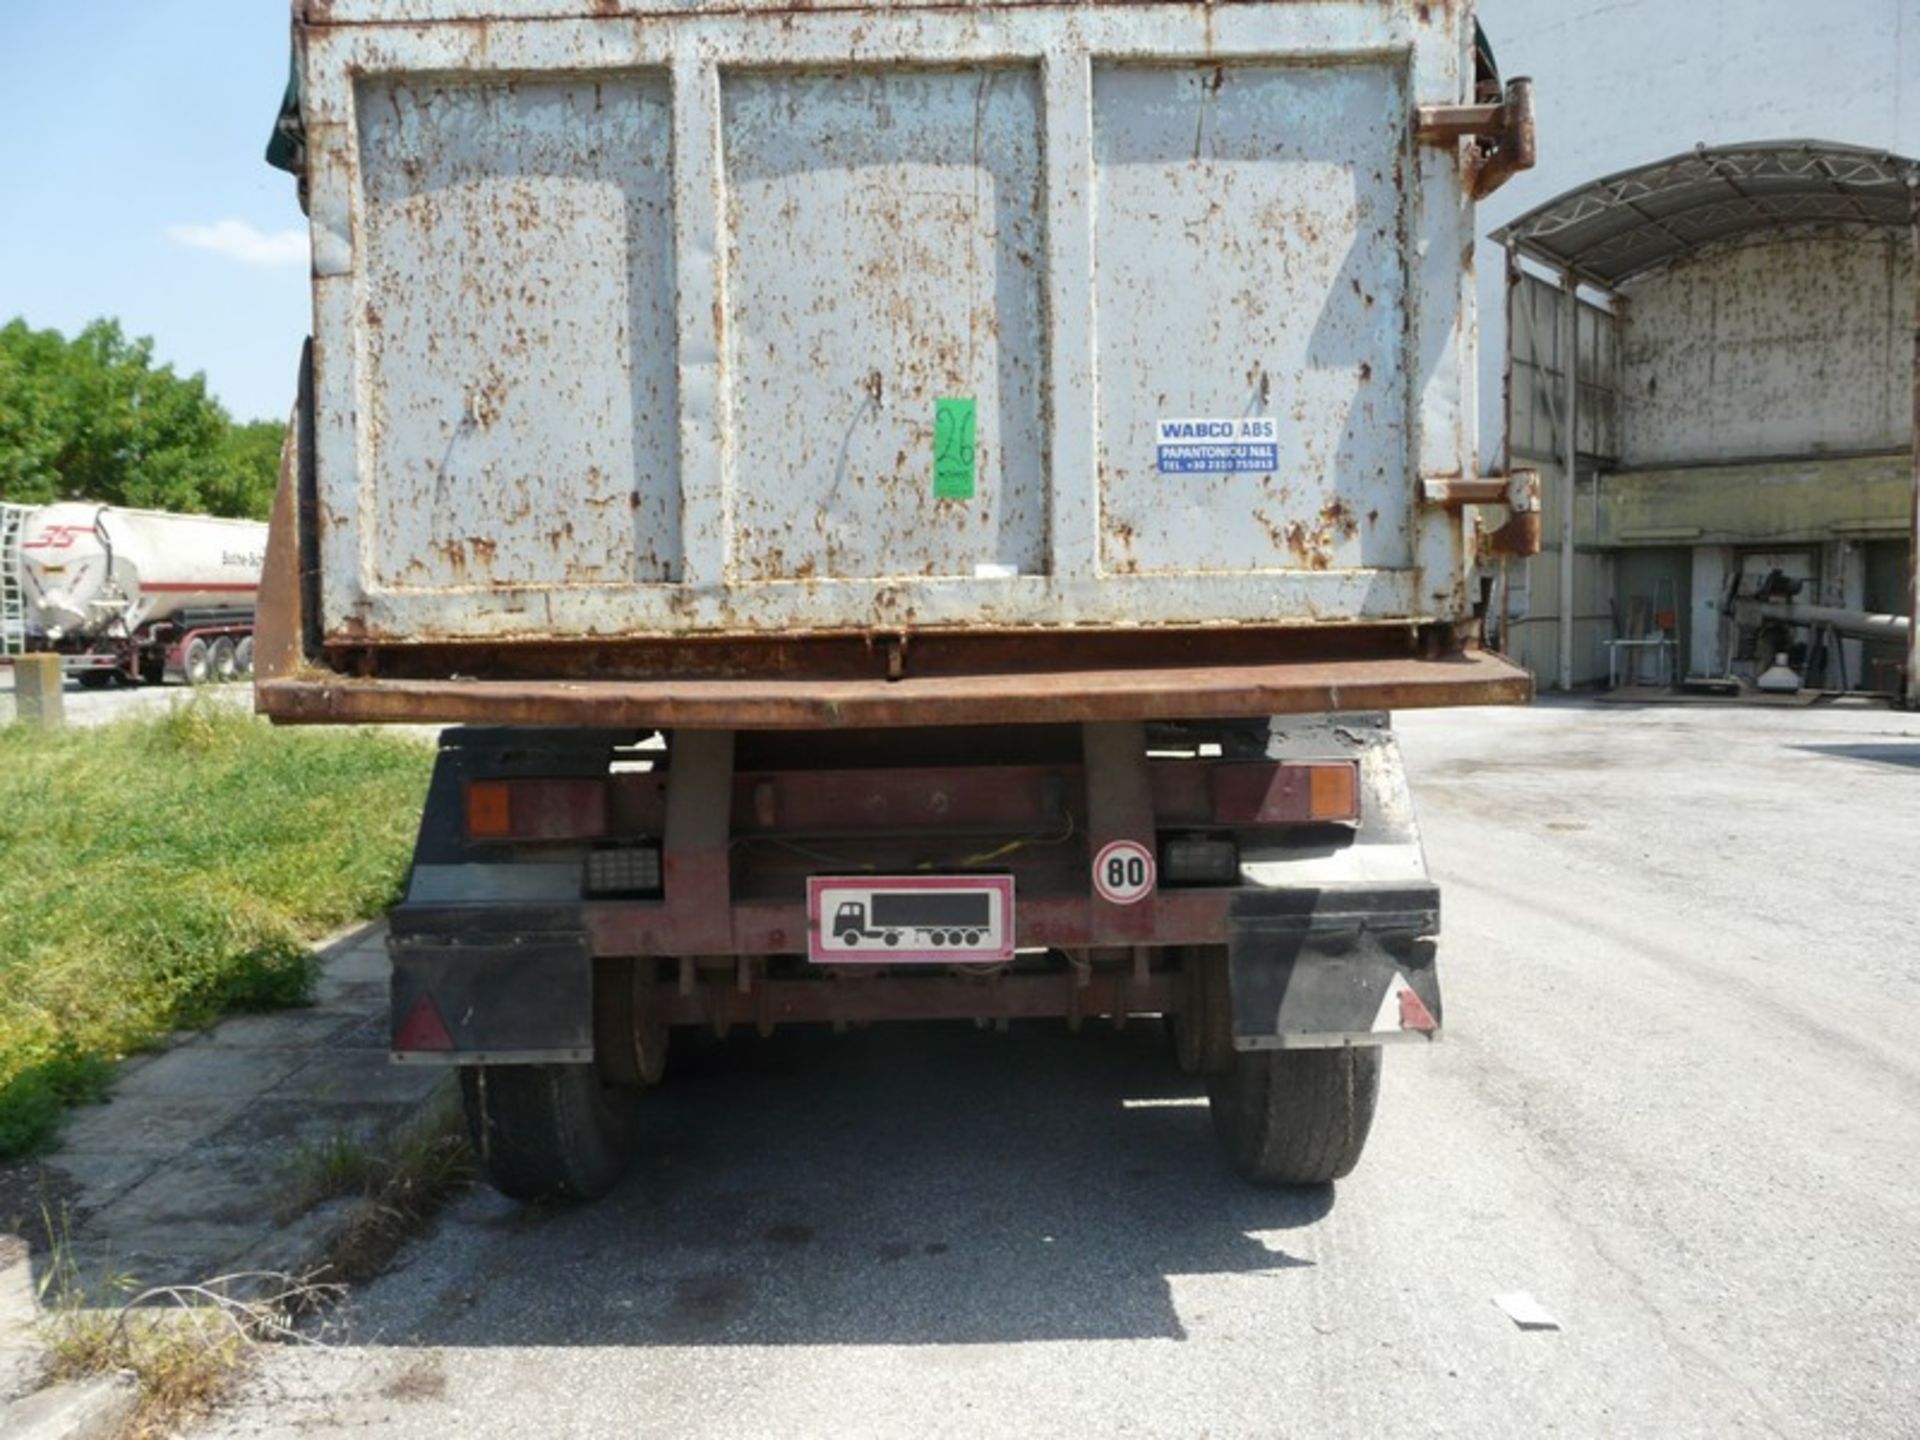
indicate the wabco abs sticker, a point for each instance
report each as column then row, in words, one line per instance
column 1218, row 447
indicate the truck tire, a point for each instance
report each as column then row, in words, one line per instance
column 243, row 657
column 548, row 1132
column 1202, row 1028
column 222, row 662
column 196, row 663
column 1295, row 1117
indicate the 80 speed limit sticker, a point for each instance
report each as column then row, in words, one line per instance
column 1123, row 872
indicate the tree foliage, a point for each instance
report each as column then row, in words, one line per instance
column 93, row 418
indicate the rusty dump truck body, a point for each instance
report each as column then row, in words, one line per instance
column 872, row 474
column 772, row 350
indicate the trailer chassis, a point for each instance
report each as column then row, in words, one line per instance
column 578, row 896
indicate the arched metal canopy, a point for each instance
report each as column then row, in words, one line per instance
column 1638, row 220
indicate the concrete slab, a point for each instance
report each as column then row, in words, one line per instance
column 294, row 1030
column 285, row 1124
column 104, row 1174
column 135, row 1120
column 211, row 1071
column 94, row 1409
column 186, row 1172
column 357, row 1076
column 20, row 1360
column 201, row 1188
column 349, row 997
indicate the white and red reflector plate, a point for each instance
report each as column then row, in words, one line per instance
column 909, row 919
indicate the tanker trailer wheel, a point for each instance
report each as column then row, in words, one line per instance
column 548, row 1132
column 243, row 657
column 1295, row 1117
column 197, row 661
column 222, row 661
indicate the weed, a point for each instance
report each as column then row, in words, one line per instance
column 401, row 1182
column 186, row 1346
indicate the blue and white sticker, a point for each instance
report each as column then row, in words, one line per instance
column 1218, row 447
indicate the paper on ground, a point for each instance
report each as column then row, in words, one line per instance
column 1525, row 1311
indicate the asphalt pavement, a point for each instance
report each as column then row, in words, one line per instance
column 1678, row 1103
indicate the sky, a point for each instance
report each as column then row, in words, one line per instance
column 132, row 182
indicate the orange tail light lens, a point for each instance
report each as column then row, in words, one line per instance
column 489, row 809
column 1333, row 792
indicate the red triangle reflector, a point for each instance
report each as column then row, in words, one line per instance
column 1414, row 1014
column 423, row 1029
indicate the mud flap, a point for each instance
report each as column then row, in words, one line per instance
column 1340, row 965
column 492, row 999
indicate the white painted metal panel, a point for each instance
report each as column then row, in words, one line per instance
column 884, row 242
column 639, row 329
column 517, row 334
column 1789, row 347
column 1248, row 241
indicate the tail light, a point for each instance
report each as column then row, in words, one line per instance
column 1290, row 793
column 536, row 809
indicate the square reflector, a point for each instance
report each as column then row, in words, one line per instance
column 1334, row 792
column 489, row 809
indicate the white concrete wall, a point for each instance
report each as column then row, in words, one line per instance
column 1771, row 349
column 1620, row 83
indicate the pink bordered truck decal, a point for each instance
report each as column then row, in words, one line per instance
column 909, row 919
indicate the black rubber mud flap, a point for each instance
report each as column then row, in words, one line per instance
column 496, row 999
column 1334, row 966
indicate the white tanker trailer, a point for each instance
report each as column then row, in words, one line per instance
column 139, row 595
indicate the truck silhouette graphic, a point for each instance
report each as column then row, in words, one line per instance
column 928, row 917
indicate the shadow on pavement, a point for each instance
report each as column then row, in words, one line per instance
column 1905, row 754
column 906, row 1185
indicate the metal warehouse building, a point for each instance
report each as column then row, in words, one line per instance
column 1742, row 309
column 1740, row 404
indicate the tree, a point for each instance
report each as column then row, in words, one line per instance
column 93, row 418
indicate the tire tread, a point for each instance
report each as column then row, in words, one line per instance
column 548, row 1131
column 1296, row 1117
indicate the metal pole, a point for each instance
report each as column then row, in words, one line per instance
column 1913, row 546
column 1506, row 445
column 1570, row 414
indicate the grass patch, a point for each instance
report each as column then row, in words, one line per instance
column 399, row 1182
column 159, row 873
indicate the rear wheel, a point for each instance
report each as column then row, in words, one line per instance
column 548, row 1131
column 1202, row 1027
column 222, row 661
column 1295, row 1117
column 196, row 663
column 243, row 657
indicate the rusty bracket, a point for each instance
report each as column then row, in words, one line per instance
column 1519, row 492
column 1503, row 135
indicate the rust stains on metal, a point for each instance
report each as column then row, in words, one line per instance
column 1502, row 136
column 1466, row 677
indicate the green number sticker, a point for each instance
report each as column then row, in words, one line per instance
column 953, row 449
